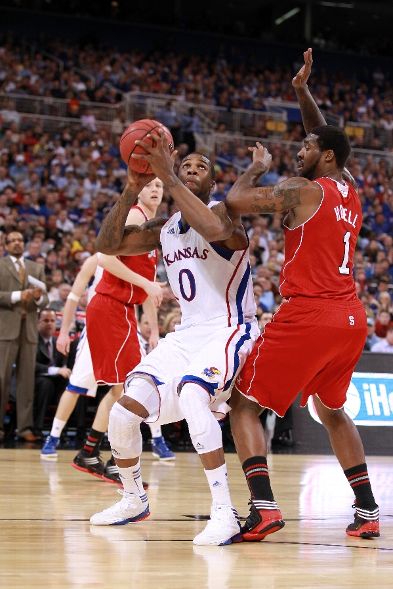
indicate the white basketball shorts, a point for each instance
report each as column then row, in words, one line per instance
column 208, row 354
column 82, row 381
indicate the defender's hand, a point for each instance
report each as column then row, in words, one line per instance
column 261, row 156
column 301, row 78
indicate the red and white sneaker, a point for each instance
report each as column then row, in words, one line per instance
column 365, row 524
column 261, row 522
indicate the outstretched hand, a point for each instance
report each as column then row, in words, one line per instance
column 261, row 155
column 301, row 78
column 158, row 155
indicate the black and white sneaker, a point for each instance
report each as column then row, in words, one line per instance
column 91, row 464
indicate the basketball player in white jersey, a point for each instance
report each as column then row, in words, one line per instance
column 82, row 380
column 190, row 373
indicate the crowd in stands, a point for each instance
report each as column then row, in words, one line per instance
column 57, row 185
column 79, row 74
column 56, row 189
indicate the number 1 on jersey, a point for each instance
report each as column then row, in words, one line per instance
column 343, row 269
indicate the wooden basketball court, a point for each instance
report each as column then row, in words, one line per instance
column 47, row 541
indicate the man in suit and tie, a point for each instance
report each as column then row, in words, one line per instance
column 52, row 369
column 19, row 302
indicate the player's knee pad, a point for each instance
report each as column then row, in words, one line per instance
column 204, row 430
column 143, row 389
column 124, row 432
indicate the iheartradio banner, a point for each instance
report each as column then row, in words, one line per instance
column 369, row 399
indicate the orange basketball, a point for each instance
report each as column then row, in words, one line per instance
column 139, row 130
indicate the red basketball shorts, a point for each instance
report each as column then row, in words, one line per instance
column 112, row 334
column 310, row 347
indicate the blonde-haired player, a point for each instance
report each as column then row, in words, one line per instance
column 83, row 379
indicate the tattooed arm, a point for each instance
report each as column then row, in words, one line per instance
column 290, row 194
column 245, row 197
column 114, row 237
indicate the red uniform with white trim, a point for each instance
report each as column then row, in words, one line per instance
column 111, row 323
column 317, row 335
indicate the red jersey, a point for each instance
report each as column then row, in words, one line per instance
column 145, row 265
column 319, row 253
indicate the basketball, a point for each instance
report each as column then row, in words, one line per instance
column 139, row 130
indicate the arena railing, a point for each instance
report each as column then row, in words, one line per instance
column 241, row 125
column 50, row 124
column 58, row 107
column 214, row 142
column 210, row 116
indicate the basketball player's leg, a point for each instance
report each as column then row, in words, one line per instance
column 141, row 399
column 66, row 406
column 212, row 369
column 330, row 386
column 205, row 431
column 348, row 448
column 249, row 437
column 89, row 458
column 82, row 382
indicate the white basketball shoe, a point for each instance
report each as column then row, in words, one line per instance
column 222, row 528
column 130, row 509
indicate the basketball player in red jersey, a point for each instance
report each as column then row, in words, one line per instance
column 317, row 335
column 111, row 326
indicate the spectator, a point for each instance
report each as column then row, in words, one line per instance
column 170, row 322
column 169, row 117
column 52, row 369
column 63, row 290
column 382, row 322
column 386, row 344
column 371, row 338
column 190, row 124
column 219, row 192
column 19, row 301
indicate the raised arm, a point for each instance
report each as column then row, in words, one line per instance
column 114, row 237
column 246, row 198
column 311, row 114
column 213, row 225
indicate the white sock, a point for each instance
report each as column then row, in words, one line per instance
column 155, row 430
column 57, row 427
column 218, row 483
column 132, row 480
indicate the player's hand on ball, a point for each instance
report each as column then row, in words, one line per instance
column 301, row 78
column 158, row 155
column 138, row 181
column 261, row 155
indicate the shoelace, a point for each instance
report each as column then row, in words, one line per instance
column 253, row 516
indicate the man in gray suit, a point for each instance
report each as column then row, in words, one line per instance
column 19, row 302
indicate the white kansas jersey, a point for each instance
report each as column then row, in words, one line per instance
column 210, row 282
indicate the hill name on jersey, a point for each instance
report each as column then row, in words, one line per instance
column 344, row 214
